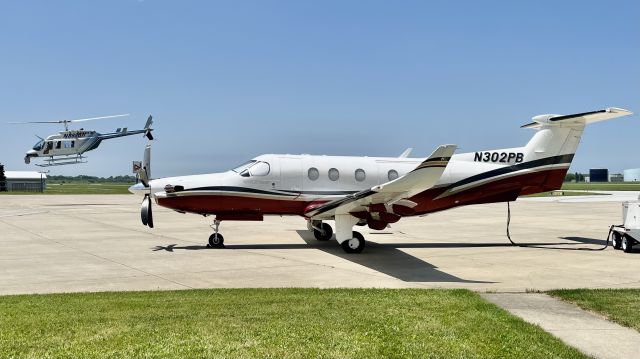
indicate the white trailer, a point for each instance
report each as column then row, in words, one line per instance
column 628, row 234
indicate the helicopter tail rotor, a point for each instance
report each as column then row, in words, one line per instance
column 148, row 129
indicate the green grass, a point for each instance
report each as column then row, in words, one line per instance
column 88, row 188
column 269, row 323
column 81, row 188
column 564, row 194
column 588, row 186
column 619, row 305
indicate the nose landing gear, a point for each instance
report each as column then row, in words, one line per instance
column 216, row 240
column 322, row 231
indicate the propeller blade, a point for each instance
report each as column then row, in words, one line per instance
column 145, row 171
column 146, row 214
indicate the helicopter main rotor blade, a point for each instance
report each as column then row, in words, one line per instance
column 99, row 118
column 71, row 121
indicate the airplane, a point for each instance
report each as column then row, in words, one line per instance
column 68, row 146
column 371, row 191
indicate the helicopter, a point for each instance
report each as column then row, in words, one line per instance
column 69, row 146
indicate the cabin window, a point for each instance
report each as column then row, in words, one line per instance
column 360, row 175
column 49, row 145
column 313, row 173
column 58, row 145
column 334, row 174
column 260, row 169
column 68, row 144
column 393, row 174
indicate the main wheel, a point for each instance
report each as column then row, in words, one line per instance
column 325, row 234
column 616, row 240
column 355, row 244
column 216, row 240
column 627, row 244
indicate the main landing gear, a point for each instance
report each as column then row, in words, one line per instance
column 323, row 232
column 355, row 244
column 216, row 240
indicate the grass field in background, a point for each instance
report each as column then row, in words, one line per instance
column 619, row 305
column 564, row 194
column 81, row 188
column 615, row 186
column 269, row 323
column 88, row 188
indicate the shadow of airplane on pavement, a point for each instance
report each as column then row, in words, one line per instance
column 388, row 258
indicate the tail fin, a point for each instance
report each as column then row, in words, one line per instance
column 558, row 137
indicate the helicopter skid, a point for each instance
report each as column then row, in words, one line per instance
column 62, row 161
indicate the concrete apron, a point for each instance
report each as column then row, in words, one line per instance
column 588, row 332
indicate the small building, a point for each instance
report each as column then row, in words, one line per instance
column 632, row 175
column 616, row 177
column 598, row 175
column 25, row 181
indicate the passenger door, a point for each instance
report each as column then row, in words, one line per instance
column 291, row 174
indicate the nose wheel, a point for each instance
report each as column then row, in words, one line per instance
column 216, row 240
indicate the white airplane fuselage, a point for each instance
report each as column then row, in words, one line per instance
column 363, row 189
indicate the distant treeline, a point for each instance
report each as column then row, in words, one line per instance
column 93, row 179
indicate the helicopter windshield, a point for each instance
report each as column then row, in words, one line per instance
column 38, row 146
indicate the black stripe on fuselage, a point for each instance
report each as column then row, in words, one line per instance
column 514, row 168
column 238, row 189
column 289, row 193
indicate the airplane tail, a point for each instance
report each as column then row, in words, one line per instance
column 556, row 141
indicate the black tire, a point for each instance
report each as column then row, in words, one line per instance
column 627, row 244
column 325, row 234
column 216, row 240
column 355, row 244
column 616, row 240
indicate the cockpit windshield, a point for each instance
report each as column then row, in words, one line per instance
column 244, row 166
column 38, row 146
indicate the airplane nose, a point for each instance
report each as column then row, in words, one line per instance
column 137, row 188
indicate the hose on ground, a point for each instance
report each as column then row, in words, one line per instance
column 606, row 244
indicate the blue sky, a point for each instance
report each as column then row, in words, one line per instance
column 230, row 80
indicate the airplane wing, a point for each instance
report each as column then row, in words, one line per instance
column 389, row 201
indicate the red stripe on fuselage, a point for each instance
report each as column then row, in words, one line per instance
column 501, row 190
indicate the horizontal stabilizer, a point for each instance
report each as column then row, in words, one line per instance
column 583, row 118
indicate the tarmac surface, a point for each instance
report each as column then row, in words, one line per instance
column 74, row 243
